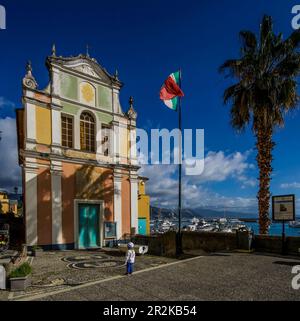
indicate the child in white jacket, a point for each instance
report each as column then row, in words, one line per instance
column 130, row 258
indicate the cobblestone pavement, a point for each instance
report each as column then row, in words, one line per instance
column 52, row 271
column 221, row 276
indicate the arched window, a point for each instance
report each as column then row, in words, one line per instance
column 87, row 132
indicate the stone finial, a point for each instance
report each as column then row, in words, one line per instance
column 29, row 68
column 131, row 101
column 116, row 75
column 29, row 81
column 54, row 50
column 88, row 51
column 131, row 113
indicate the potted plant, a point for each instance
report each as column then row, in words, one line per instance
column 20, row 278
column 36, row 251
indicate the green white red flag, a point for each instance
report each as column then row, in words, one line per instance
column 171, row 91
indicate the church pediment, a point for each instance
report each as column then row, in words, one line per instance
column 86, row 69
column 90, row 69
column 86, row 66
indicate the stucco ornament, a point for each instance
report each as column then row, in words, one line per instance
column 29, row 81
column 88, row 92
column 86, row 69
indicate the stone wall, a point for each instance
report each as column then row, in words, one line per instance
column 209, row 242
column 161, row 245
column 273, row 244
column 165, row 244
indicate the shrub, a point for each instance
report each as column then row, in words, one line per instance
column 36, row 248
column 22, row 271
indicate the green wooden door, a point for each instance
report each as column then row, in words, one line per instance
column 89, row 232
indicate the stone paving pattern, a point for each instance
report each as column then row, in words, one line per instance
column 219, row 276
column 51, row 273
column 216, row 277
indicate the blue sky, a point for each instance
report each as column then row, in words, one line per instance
column 146, row 41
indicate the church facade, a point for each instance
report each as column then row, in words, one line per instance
column 78, row 156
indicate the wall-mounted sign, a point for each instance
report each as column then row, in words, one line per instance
column 283, row 208
column 110, row 229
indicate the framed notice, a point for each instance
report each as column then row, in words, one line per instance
column 110, row 229
column 283, row 208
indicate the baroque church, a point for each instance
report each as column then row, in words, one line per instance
column 77, row 150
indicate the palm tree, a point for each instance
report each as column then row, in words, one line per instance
column 266, row 89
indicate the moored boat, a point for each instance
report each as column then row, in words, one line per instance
column 295, row 224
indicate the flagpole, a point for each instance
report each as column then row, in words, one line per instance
column 179, row 240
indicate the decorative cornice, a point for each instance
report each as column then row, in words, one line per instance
column 56, row 167
column 77, row 104
column 56, row 107
column 61, row 158
column 80, row 105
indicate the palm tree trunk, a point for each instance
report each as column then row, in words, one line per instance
column 264, row 159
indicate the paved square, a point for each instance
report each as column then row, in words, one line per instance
column 219, row 276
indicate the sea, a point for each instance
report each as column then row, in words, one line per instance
column 275, row 228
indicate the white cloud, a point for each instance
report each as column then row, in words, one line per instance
column 219, row 167
column 290, row 185
column 7, row 108
column 4, row 102
column 10, row 173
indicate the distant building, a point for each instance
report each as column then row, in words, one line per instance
column 4, row 202
column 8, row 205
column 143, row 207
column 80, row 182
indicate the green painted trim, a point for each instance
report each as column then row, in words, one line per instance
column 104, row 97
column 104, row 118
column 70, row 108
column 69, row 86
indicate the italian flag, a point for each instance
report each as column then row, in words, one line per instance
column 171, row 91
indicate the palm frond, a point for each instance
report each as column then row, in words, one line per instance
column 248, row 39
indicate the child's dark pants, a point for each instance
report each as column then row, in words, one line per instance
column 129, row 268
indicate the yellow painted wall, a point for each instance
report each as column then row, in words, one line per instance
column 144, row 209
column 124, row 142
column 144, row 204
column 142, row 189
column 43, row 125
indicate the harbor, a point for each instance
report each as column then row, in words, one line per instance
column 222, row 224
